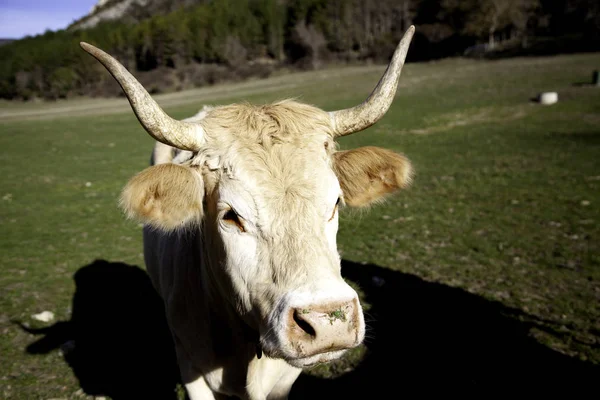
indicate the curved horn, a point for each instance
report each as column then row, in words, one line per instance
column 375, row 106
column 179, row 134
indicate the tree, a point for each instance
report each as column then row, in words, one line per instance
column 485, row 18
column 312, row 40
column 520, row 15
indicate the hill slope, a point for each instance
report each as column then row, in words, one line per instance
column 127, row 10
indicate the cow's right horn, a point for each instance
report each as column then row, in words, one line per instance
column 179, row 134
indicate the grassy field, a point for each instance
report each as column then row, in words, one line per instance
column 485, row 274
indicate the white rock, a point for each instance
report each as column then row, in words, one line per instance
column 548, row 98
column 44, row 316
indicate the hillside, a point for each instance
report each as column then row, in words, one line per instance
column 128, row 10
column 5, row 41
column 182, row 44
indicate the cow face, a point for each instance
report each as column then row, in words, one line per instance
column 276, row 216
column 267, row 195
column 264, row 184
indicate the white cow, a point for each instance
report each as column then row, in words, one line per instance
column 240, row 231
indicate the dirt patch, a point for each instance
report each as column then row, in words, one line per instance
column 448, row 121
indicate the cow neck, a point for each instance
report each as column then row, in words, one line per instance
column 238, row 328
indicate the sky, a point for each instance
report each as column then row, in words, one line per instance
column 19, row 18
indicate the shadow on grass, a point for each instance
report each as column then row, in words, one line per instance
column 423, row 338
column 432, row 338
column 117, row 342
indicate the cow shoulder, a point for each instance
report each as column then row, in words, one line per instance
column 368, row 174
column 165, row 196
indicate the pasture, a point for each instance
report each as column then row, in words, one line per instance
column 481, row 277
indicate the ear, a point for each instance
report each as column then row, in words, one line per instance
column 369, row 173
column 165, row 196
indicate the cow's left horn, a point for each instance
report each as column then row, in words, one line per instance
column 179, row 134
column 375, row 106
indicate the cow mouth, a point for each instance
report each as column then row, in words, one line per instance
column 316, row 359
column 302, row 361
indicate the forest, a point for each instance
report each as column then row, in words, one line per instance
column 204, row 42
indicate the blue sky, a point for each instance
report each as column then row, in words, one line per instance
column 19, row 18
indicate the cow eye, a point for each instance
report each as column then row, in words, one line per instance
column 335, row 209
column 232, row 218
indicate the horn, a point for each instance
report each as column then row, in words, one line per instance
column 375, row 106
column 179, row 134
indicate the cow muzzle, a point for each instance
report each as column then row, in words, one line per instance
column 316, row 332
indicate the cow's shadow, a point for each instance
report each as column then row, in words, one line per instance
column 423, row 338
column 117, row 342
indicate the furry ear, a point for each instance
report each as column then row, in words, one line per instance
column 368, row 174
column 165, row 196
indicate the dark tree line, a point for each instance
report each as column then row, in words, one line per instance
column 190, row 43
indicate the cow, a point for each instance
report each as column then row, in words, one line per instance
column 240, row 215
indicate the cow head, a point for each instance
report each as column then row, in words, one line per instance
column 264, row 185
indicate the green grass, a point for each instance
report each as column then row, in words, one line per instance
column 504, row 204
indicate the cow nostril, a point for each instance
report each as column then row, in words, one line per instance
column 303, row 323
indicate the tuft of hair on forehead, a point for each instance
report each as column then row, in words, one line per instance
column 283, row 121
